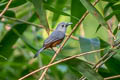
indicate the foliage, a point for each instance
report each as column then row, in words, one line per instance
column 21, row 35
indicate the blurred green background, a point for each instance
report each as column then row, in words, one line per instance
column 21, row 36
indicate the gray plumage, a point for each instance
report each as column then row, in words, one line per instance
column 40, row 50
column 57, row 34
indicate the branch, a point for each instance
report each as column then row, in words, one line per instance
column 73, row 37
column 99, row 63
column 112, row 77
column 110, row 31
column 105, row 58
column 36, row 25
column 20, row 20
column 5, row 9
column 111, row 35
column 59, row 61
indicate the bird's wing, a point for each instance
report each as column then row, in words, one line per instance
column 56, row 35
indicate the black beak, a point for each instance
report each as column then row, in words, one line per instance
column 69, row 23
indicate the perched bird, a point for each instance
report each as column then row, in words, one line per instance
column 55, row 38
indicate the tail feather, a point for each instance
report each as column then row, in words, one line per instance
column 40, row 50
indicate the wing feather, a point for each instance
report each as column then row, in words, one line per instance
column 56, row 35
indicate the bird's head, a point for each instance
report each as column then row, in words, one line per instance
column 63, row 26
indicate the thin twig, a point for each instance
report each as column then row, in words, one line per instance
column 98, row 64
column 36, row 25
column 20, row 20
column 111, row 35
column 110, row 31
column 5, row 9
column 90, row 63
column 73, row 37
column 60, row 61
column 103, row 59
column 102, row 62
column 112, row 77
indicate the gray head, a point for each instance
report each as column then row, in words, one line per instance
column 63, row 26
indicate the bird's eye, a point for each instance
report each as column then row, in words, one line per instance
column 62, row 25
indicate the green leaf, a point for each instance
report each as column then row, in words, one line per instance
column 106, row 9
column 2, row 1
column 94, row 12
column 103, row 44
column 99, row 26
column 77, row 10
column 9, row 13
column 50, row 8
column 116, row 30
column 60, row 4
column 15, row 3
column 116, row 8
column 50, row 2
column 83, row 68
column 38, row 4
column 109, row 17
column 27, row 42
column 76, row 72
column 113, row 63
column 111, row 1
column 104, row 72
column 3, row 57
column 87, row 45
column 11, row 37
column 56, row 73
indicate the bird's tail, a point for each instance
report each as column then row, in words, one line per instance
column 40, row 50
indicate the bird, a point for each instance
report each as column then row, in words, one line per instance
column 55, row 38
